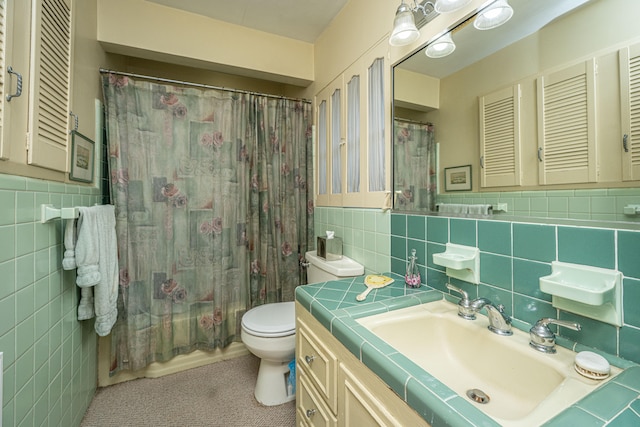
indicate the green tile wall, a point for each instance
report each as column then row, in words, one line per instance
column 366, row 234
column 50, row 359
column 598, row 204
column 513, row 256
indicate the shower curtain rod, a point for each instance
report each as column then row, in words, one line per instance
column 199, row 85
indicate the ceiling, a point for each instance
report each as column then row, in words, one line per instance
column 302, row 20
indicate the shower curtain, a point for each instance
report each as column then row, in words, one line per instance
column 214, row 212
column 415, row 167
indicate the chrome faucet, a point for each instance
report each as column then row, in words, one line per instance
column 464, row 305
column 499, row 321
column 543, row 339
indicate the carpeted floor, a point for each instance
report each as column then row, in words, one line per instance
column 219, row 395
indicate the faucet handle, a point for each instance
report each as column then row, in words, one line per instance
column 453, row 288
column 464, row 305
column 564, row 323
column 543, row 339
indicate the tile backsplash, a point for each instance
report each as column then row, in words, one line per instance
column 601, row 204
column 514, row 255
column 365, row 234
column 50, row 362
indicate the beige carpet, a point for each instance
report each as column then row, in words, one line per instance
column 220, row 394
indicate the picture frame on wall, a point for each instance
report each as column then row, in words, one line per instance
column 82, row 158
column 457, row 178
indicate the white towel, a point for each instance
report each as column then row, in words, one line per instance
column 455, row 208
column 97, row 260
column 479, row 209
column 69, row 259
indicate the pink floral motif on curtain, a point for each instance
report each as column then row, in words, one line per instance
column 414, row 170
column 214, row 212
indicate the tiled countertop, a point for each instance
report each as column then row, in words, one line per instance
column 334, row 305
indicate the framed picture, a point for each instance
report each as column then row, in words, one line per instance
column 457, row 178
column 82, row 158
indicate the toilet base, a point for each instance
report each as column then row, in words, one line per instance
column 272, row 386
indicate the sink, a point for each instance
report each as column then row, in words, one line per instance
column 525, row 387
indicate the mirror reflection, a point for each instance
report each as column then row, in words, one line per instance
column 532, row 116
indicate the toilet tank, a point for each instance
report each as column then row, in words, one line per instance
column 320, row 270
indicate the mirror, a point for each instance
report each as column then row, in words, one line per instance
column 437, row 121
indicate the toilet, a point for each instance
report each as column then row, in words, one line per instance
column 268, row 331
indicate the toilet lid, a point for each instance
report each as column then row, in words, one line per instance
column 271, row 320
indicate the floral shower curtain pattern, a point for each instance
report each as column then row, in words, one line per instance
column 214, row 211
column 415, row 167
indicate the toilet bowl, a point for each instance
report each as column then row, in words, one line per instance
column 268, row 331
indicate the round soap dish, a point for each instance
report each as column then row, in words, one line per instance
column 592, row 365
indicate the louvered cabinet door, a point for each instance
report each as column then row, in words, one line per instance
column 5, row 89
column 566, row 125
column 500, row 138
column 50, row 83
column 630, row 111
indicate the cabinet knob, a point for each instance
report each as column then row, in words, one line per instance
column 309, row 359
column 311, row 413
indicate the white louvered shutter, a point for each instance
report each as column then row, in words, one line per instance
column 50, row 84
column 630, row 111
column 500, row 138
column 3, row 73
column 566, row 125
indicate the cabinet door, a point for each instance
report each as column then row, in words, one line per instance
column 318, row 363
column 361, row 408
column 50, row 84
column 330, row 144
column 376, row 163
column 500, row 138
column 6, row 21
column 630, row 111
column 566, row 125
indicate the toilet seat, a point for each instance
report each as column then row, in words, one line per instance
column 271, row 320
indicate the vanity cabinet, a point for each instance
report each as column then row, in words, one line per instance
column 35, row 59
column 334, row 388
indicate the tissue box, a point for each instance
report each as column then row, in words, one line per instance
column 329, row 249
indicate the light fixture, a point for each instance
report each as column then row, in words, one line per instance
column 441, row 47
column 404, row 27
column 493, row 16
column 445, row 6
column 409, row 19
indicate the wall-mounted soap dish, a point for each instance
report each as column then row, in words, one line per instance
column 462, row 262
column 591, row 292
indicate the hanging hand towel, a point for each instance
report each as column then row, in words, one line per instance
column 479, row 209
column 452, row 208
column 87, row 251
column 69, row 260
column 98, row 234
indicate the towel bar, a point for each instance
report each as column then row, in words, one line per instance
column 48, row 212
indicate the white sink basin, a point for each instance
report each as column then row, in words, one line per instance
column 525, row 387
